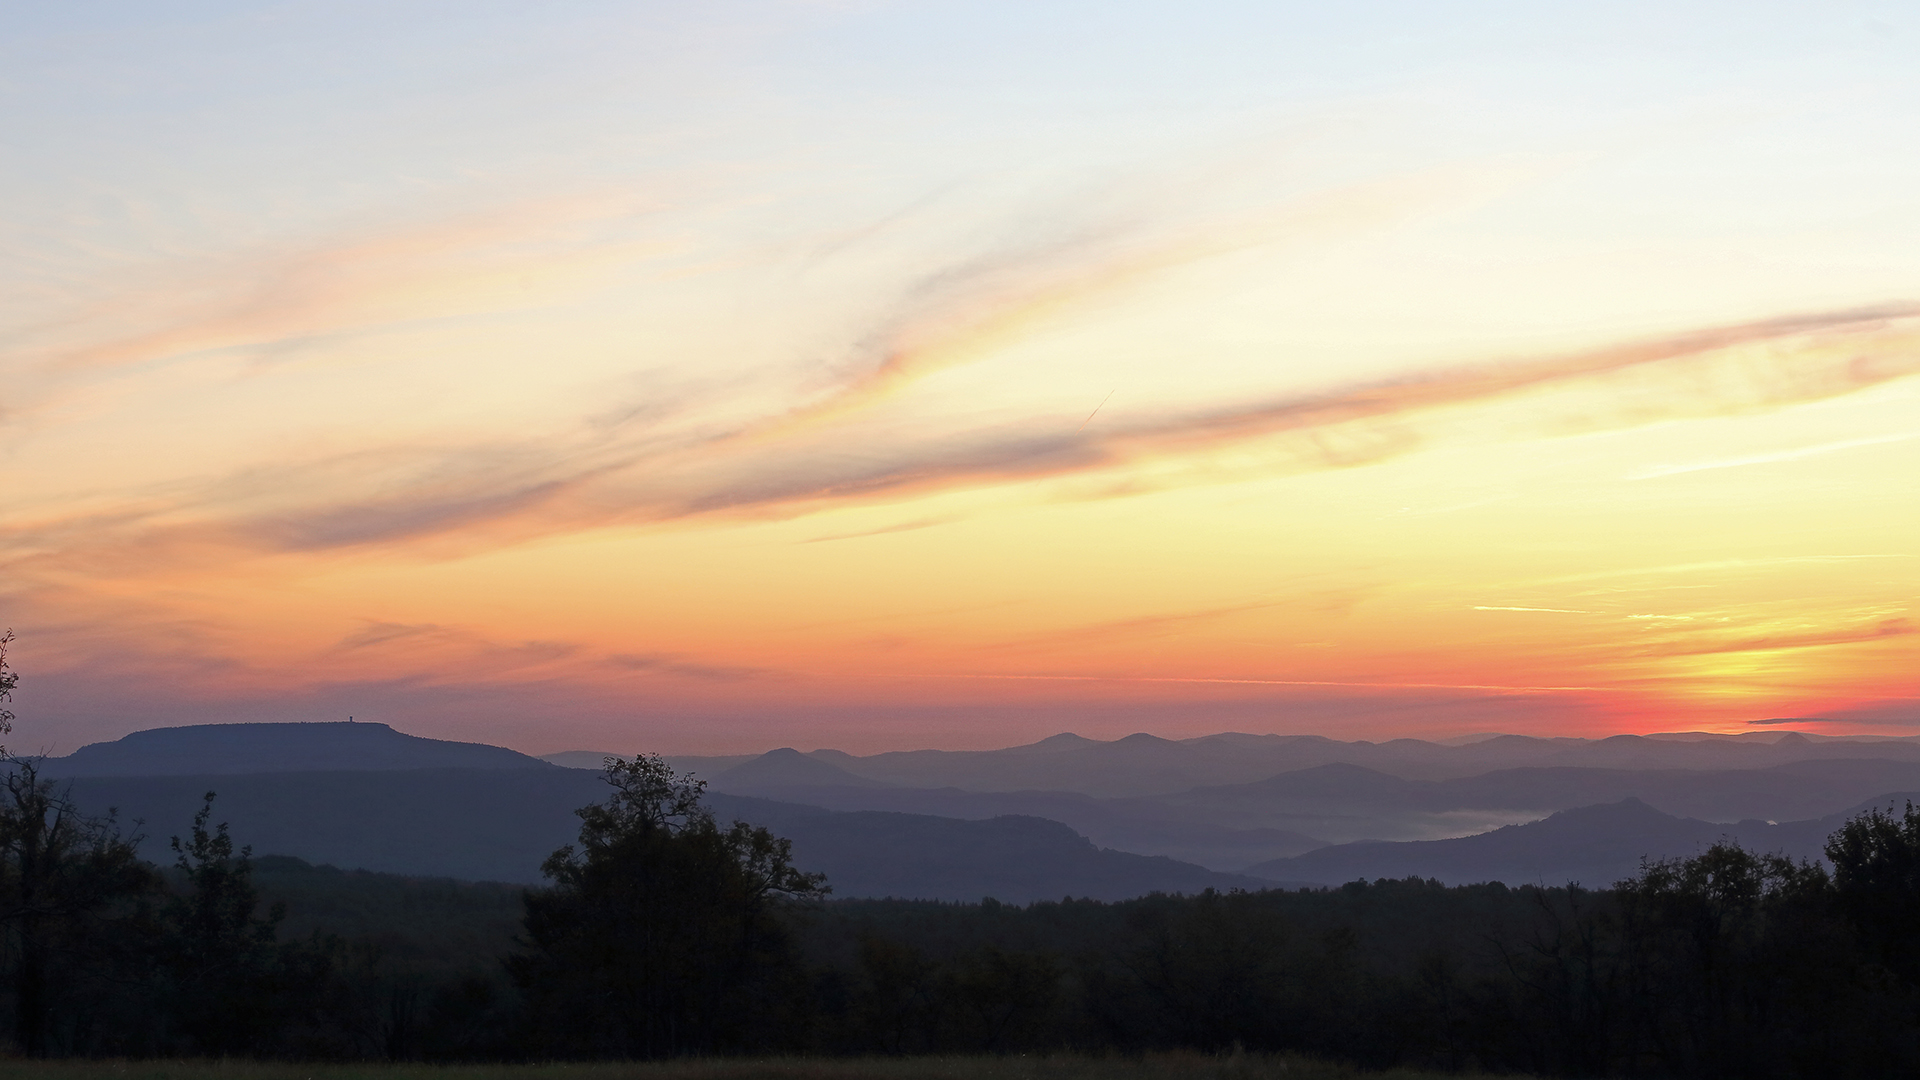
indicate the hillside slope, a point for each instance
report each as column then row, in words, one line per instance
column 222, row 749
column 1594, row 846
column 499, row 824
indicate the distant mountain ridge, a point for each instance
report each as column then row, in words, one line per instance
column 789, row 776
column 1230, row 827
column 499, row 824
column 1592, row 845
column 228, row 749
column 1142, row 765
column 789, row 768
column 1795, row 790
column 364, row 795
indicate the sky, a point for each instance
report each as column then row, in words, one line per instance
column 715, row 377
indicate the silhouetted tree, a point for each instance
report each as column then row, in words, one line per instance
column 662, row 933
column 8, row 680
column 1718, row 958
column 1218, row 969
column 1876, row 871
column 1568, row 983
column 230, row 985
column 63, row 877
column 62, row 874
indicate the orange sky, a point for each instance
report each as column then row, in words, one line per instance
column 768, row 394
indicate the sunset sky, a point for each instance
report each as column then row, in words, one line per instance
column 719, row 376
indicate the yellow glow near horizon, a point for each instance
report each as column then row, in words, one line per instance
column 1397, row 404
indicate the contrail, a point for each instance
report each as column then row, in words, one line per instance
column 1096, row 410
column 1259, row 682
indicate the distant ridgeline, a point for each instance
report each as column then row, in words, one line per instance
column 1064, row 816
column 218, row 749
column 363, row 796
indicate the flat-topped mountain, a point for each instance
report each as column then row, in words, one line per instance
column 227, row 749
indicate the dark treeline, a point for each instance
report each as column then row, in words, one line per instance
column 665, row 932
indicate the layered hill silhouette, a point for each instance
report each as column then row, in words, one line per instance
column 499, row 824
column 1142, row 764
column 1340, row 801
column 789, row 776
column 1594, row 846
column 1229, row 827
column 789, row 769
column 213, row 749
column 366, row 796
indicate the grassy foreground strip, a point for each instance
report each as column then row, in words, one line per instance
column 1176, row 1066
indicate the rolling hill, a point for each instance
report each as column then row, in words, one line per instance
column 1593, row 845
column 366, row 796
column 1146, row 765
column 499, row 824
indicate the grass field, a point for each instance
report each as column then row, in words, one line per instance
column 1151, row 1067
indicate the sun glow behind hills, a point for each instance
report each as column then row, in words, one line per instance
column 713, row 381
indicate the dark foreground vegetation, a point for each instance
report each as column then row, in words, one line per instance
column 1169, row 1066
column 665, row 934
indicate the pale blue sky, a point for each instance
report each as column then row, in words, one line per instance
column 372, row 284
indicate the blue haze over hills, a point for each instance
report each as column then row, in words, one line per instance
column 1065, row 816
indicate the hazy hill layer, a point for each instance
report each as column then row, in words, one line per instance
column 1145, row 765
column 705, row 765
column 1350, row 802
column 215, row 749
column 789, row 768
column 397, row 805
column 1014, row 859
column 1594, row 846
column 795, row 778
column 1107, row 822
column 499, row 824
column 1230, row 827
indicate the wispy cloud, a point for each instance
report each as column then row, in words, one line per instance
column 669, row 664
column 1149, row 625
column 476, row 655
column 499, row 258
column 1707, row 644
column 479, row 651
column 483, row 495
column 1804, row 358
column 965, row 309
column 1554, row 610
column 1770, row 458
column 1703, row 573
column 1894, row 713
column 1503, row 688
column 884, row 530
